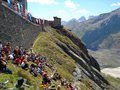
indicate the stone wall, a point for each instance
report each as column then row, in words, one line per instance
column 17, row 30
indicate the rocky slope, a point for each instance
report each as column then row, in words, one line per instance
column 66, row 52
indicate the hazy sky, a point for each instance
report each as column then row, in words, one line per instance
column 68, row 9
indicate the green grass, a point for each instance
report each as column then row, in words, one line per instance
column 112, row 79
column 18, row 72
column 45, row 44
column 114, row 82
column 65, row 39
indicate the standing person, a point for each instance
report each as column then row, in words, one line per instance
column 16, row 52
column 9, row 3
column 45, row 59
column 58, row 87
column 8, row 47
column 31, row 51
column 18, row 6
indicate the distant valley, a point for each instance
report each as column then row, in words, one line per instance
column 101, row 34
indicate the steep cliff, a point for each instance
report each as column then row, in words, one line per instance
column 67, row 52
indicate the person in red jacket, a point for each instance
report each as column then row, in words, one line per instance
column 5, row 49
column 70, row 87
column 16, row 52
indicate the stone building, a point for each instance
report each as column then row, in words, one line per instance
column 57, row 22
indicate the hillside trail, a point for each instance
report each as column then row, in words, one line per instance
column 47, row 29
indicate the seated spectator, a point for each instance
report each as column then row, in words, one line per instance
column 32, row 57
column 19, row 83
column 17, row 60
column 31, row 50
column 2, row 64
column 58, row 87
column 52, row 87
column 5, row 50
column 39, row 71
column 37, row 61
column 46, row 79
column 21, row 50
column 25, row 51
column 16, row 52
column 40, row 65
column 56, row 76
column 70, row 87
column 11, row 57
column 8, row 47
column 22, row 58
column 3, row 56
column 24, row 65
column 3, row 67
column 63, row 82
column 45, row 59
column 32, row 70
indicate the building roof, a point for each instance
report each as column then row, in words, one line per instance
column 56, row 17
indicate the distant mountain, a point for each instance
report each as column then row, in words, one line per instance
column 102, row 31
column 81, row 19
column 90, row 17
column 64, row 22
column 73, row 20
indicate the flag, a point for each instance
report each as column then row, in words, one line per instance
column 15, row 7
column 26, row 13
column 39, row 21
column 9, row 3
column 43, row 22
column 29, row 16
column 18, row 5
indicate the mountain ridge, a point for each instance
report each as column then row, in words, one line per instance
column 94, row 31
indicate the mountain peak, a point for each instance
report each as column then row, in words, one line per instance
column 81, row 19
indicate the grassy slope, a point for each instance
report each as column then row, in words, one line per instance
column 113, row 81
column 45, row 45
column 18, row 72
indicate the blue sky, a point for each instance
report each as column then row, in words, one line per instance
column 68, row 9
